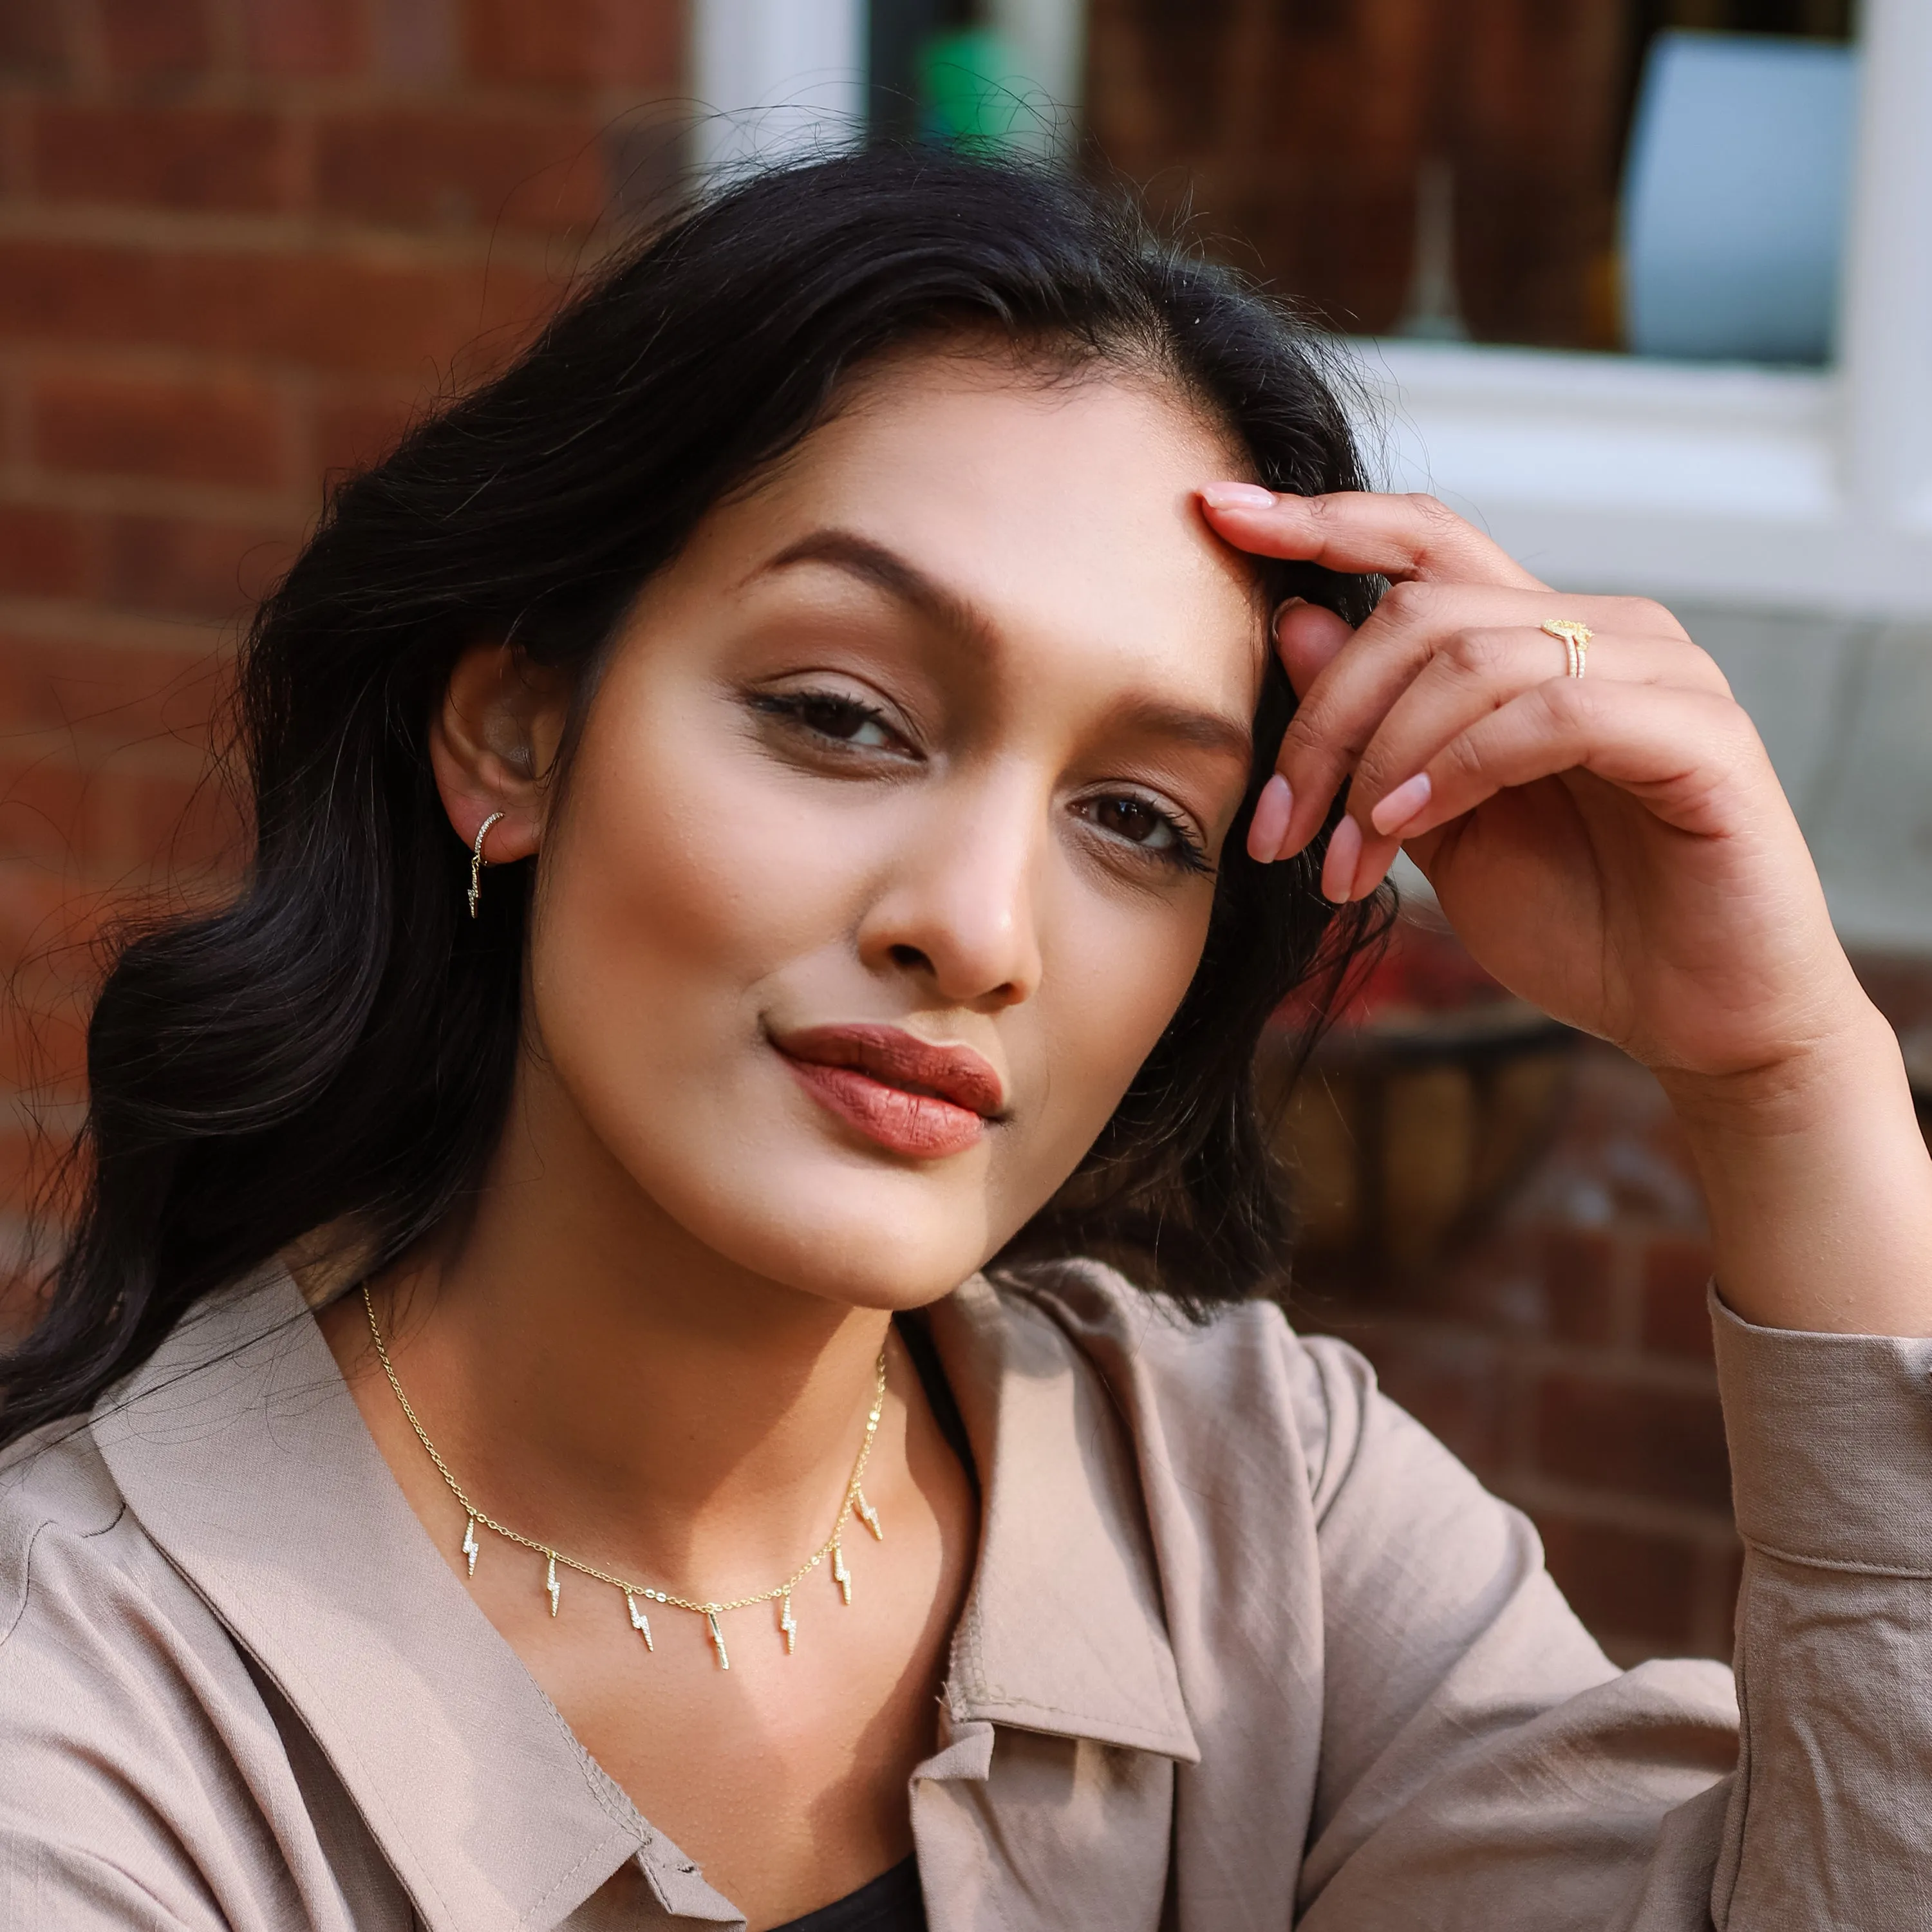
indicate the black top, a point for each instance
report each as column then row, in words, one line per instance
column 892, row 1902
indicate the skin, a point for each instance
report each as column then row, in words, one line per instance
column 652, row 1344
column 1616, row 849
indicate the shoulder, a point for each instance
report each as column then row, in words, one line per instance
column 120, row 1692
column 59, row 1508
column 84, row 1590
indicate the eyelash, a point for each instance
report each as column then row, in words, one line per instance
column 1186, row 854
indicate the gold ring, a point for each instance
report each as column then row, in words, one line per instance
column 1576, row 641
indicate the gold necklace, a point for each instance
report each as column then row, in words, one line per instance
column 854, row 1504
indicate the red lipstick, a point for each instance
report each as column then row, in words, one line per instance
column 908, row 1095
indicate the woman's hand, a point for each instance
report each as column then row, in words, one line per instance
column 1615, row 848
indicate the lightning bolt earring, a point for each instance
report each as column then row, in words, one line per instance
column 476, row 862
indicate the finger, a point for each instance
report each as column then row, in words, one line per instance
column 1396, row 537
column 1670, row 749
column 1476, row 672
column 1345, row 706
column 1309, row 640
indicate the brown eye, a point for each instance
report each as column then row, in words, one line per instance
column 1136, row 821
column 840, row 718
column 826, row 714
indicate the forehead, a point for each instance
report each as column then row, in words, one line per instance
column 1063, row 510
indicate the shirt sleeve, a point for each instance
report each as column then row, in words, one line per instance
column 1484, row 1765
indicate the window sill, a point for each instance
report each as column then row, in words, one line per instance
column 1719, row 483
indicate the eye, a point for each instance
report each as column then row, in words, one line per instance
column 1135, row 820
column 845, row 721
column 1140, row 823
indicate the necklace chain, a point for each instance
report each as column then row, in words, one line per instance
column 710, row 1609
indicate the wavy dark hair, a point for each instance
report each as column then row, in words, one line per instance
column 338, row 1040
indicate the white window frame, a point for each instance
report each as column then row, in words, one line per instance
column 1763, row 488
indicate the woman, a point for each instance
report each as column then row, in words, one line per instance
column 785, row 804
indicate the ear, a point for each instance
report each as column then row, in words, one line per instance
column 492, row 743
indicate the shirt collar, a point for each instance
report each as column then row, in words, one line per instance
column 1064, row 1629
column 241, row 1450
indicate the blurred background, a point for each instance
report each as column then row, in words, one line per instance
column 1640, row 285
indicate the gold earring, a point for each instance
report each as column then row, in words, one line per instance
column 476, row 861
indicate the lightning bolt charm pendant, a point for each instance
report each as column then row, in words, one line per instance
column 869, row 1516
column 551, row 1584
column 840, row 1575
column 640, row 1622
column 788, row 1623
column 717, row 1640
column 469, row 1543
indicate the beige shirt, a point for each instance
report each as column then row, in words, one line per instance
column 1244, row 1647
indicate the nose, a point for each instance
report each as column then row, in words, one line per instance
column 957, row 906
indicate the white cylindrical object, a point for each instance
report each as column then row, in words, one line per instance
column 1886, row 324
column 774, row 78
column 1049, row 39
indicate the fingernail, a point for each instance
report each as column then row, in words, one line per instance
column 1269, row 826
column 1237, row 497
column 1401, row 804
column 1338, row 869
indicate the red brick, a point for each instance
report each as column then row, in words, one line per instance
column 42, row 551
column 148, row 822
column 1579, row 1269
column 1606, row 1434
column 35, row 40
column 153, row 37
column 187, row 157
column 419, row 168
column 338, row 312
column 216, row 430
column 45, row 916
column 43, row 1045
column 351, row 433
column 1624, row 1583
column 130, row 695
column 415, row 39
column 42, row 808
column 576, row 42
column 182, row 567
column 1676, row 1316
column 1455, row 1389
column 307, row 37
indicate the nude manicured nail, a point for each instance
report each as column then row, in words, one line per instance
column 1269, row 826
column 1345, row 854
column 1237, row 497
column 1401, row 804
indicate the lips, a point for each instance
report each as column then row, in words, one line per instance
column 903, row 1093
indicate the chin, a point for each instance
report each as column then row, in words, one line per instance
column 876, row 1239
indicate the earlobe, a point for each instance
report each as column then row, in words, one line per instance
column 492, row 740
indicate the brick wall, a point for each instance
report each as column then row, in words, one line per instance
column 240, row 242
column 1565, row 1355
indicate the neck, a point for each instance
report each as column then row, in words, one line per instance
column 599, row 1377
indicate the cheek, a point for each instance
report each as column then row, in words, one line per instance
column 676, row 877
column 1119, row 971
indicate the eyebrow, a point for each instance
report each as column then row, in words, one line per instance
column 902, row 580
column 886, row 570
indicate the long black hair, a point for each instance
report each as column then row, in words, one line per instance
column 338, row 1041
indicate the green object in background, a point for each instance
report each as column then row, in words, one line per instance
column 973, row 92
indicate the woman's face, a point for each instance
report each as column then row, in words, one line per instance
column 889, row 846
